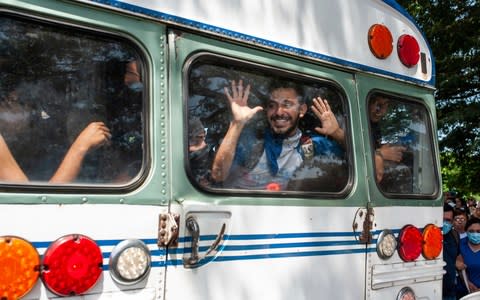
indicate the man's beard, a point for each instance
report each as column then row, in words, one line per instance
column 287, row 133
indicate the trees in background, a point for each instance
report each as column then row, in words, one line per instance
column 452, row 28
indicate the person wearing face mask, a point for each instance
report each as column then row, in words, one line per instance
column 450, row 252
column 469, row 258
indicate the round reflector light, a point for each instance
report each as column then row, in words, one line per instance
column 129, row 262
column 380, row 41
column 406, row 293
column 410, row 243
column 386, row 244
column 408, row 50
column 72, row 265
column 432, row 241
column 19, row 267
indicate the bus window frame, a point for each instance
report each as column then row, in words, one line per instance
column 246, row 63
column 404, row 99
column 98, row 33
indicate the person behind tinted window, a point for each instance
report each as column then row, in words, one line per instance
column 377, row 109
column 469, row 258
column 283, row 146
column 122, row 160
column 199, row 152
column 94, row 135
column 450, row 252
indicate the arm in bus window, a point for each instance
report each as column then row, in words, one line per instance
column 377, row 109
column 9, row 168
column 241, row 113
column 330, row 126
column 94, row 135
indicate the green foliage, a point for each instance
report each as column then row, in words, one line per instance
column 452, row 29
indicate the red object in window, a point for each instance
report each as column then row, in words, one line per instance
column 273, row 187
column 72, row 265
column 408, row 50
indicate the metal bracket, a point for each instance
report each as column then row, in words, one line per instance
column 168, row 230
column 363, row 217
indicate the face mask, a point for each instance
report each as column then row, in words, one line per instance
column 474, row 237
column 447, row 226
column 136, row 86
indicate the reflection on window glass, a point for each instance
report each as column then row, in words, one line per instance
column 402, row 140
column 251, row 128
column 70, row 105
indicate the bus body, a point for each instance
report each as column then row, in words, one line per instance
column 143, row 220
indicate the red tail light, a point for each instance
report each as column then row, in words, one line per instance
column 432, row 241
column 408, row 50
column 72, row 265
column 410, row 243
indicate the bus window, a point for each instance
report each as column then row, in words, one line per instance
column 281, row 144
column 71, row 105
column 403, row 145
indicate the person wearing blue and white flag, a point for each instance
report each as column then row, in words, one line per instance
column 283, row 148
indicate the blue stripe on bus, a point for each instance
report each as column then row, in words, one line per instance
column 177, row 262
column 269, row 246
column 237, row 35
column 247, row 247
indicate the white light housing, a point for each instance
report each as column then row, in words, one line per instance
column 129, row 262
column 386, row 244
column 406, row 293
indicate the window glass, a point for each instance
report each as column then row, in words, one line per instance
column 402, row 140
column 71, row 105
column 253, row 128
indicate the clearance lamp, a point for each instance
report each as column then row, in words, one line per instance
column 432, row 241
column 410, row 243
column 380, row 41
column 408, row 50
column 72, row 265
column 19, row 267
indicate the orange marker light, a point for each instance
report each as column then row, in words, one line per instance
column 380, row 41
column 19, row 267
column 432, row 241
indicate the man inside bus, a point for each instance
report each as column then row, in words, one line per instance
column 283, row 148
column 377, row 109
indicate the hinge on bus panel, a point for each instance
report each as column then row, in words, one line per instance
column 168, row 230
column 364, row 218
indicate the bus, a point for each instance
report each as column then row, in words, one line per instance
column 113, row 115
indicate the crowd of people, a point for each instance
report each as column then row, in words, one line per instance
column 461, row 246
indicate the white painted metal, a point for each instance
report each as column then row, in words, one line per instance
column 334, row 31
column 272, row 252
column 106, row 224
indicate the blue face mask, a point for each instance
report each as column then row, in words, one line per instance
column 474, row 237
column 136, row 86
column 447, row 226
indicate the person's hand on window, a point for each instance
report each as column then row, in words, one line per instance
column 330, row 126
column 241, row 113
